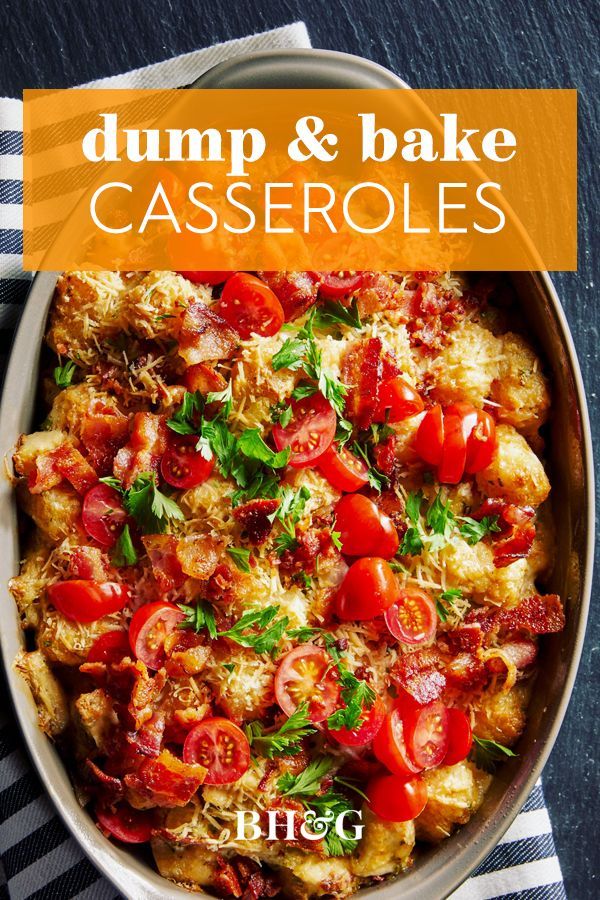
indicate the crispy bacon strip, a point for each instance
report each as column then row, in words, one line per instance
column 379, row 292
column 420, row 675
column 144, row 449
column 204, row 335
column 104, row 430
column 203, row 378
column 88, row 563
column 296, row 291
column 166, row 781
column 254, row 518
column 362, row 370
column 310, row 544
column 198, row 555
column 148, row 738
column 166, row 566
column 63, row 462
column 517, row 530
column 539, row 614
column 109, row 782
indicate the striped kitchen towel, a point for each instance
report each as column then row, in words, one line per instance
column 38, row 859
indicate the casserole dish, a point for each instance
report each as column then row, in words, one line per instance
column 436, row 872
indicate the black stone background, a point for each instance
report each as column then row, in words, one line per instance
column 430, row 43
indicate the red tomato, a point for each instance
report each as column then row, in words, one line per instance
column 397, row 799
column 111, row 647
column 182, row 466
column 132, row 826
column 364, row 529
column 459, row 421
column 430, row 436
column 426, row 734
column 148, row 629
column 389, row 746
column 310, row 432
column 343, row 469
column 481, row 444
column 206, row 277
column 305, row 675
column 336, row 285
column 86, row 601
column 221, row 747
column 365, row 731
column 368, row 589
column 413, row 618
column 400, row 398
column 460, row 737
column 103, row 515
column 250, row 306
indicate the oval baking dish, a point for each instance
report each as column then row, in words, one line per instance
column 437, row 871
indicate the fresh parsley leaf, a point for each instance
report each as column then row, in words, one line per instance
column 474, row 531
column 152, row 510
column 222, row 443
column 308, row 781
column 441, row 520
column 199, row 617
column 283, row 741
column 333, row 312
column 377, row 479
column 381, row 432
column 256, row 629
column 333, row 805
column 357, row 697
column 251, row 444
column 281, row 412
column 261, row 484
column 63, row 375
column 124, row 553
column 306, row 581
column 412, row 543
column 414, row 501
column 486, row 753
column 343, row 431
column 225, row 397
column 289, row 512
column 336, row 539
column 187, row 418
column 445, row 603
column 229, row 666
column 241, row 557
column 290, row 355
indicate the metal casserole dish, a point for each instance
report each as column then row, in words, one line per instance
column 437, row 871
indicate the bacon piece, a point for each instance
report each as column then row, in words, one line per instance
column 225, row 879
column 520, row 653
column 465, row 673
column 393, row 506
column 166, row 567
column 466, row 639
column 166, row 781
column 379, row 292
column 204, row 335
column 310, row 544
column 296, row 291
column 198, row 555
column 517, row 530
column 63, row 462
column 254, row 518
column 88, row 563
column 186, row 653
column 434, row 312
column 110, row 782
column 254, row 882
column 148, row 738
column 419, row 674
column 104, row 430
column 203, row 378
column 144, row 449
column 539, row 614
column 385, row 455
column 362, row 370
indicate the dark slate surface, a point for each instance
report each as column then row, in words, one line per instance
column 430, row 43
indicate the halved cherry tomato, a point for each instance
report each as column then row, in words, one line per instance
column 398, row 400
column 426, row 734
column 481, row 444
column 305, row 675
column 182, row 466
column 365, row 731
column 206, row 277
column 390, row 748
column 429, row 441
column 310, row 432
column 103, row 515
column 111, row 647
column 148, row 629
column 336, row 285
column 131, row 826
column 343, row 469
column 459, row 421
column 397, row 799
column 364, row 529
column 86, row 601
column 413, row 618
column 460, row 737
column 250, row 306
column 221, row 747
column 368, row 589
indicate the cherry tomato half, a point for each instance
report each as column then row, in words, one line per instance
column 429, row 441
column 368, row 589
column 460, row 737
column 459, row 421
column 390, row 748
column 365, row 731
column 481, row 444
column 310, row 432
column 103, row 515
column 335, row 285
column 111, row 647
column 221, row 747
column 413, row 618
column 397, row 799
column 398, row 400
column 364, row 529
column 250, row 306
column 206, row 277
column 182, row 466
column 148, row 629
column 458, row 439
column 426, row 734
column 305, row 675
column 131, row 826
column 86, row 601
column 342, row 469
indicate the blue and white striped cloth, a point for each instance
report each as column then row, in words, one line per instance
column 38, row 859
